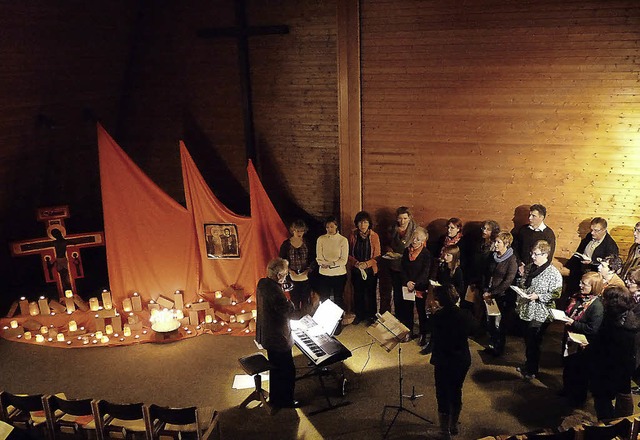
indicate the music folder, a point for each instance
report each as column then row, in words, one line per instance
column 388, row 331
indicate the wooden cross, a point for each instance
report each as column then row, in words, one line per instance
column 242, row 32
column 60, row 252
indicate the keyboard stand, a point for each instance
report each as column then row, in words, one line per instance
column 323, row 371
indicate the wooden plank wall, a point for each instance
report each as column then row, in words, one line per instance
column 471, row 109
column 296, row 105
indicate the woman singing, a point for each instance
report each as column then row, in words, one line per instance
column 364, row 245
column 332, row 253
column 297, row 251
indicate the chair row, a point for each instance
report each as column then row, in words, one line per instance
column 626, row 428
column 51, row 416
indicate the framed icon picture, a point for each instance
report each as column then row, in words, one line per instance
column 221, row 240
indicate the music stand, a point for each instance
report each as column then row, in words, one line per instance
column 389, row 332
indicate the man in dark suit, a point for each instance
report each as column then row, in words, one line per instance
column 596, row 245
column 273, row 332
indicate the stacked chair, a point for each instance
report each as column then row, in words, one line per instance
column 55, row 417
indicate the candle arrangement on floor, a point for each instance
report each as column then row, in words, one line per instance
column 72, row 322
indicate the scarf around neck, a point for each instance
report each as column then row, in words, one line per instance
column 504, row 257
column 413, row 253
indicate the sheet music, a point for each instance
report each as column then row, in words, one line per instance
column 520, row 292
column 408, row 295
column 324, row 320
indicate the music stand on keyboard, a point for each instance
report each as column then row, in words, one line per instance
column 389, row 332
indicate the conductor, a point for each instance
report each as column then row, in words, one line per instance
column 273, row 332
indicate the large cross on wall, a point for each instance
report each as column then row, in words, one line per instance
column 241, row 32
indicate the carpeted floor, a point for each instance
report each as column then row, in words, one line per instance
column 200, row 371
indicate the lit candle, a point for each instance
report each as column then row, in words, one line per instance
column 208, row 319
column 218, row 294
column 126, row 305
column 27, row 335
column 14, row 324
column 34, row 310
column 104, row 339
column 68, row 293
column 136, row 302
column 73, row 326
column 24, row 306
column 44, row 330
column 106, row 300
column 94, row 305
column 254, row 313
column 85, row 340
column 126, row 330
column 43, row 304
column 179, row 314
column 60, row 337
column 39, row 338
column 98, row 335
column 108, row 329
column 68, row 342
column 70, row 304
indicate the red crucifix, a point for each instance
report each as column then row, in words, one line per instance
column 60, row 252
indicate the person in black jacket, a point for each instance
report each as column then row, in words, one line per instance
column 299, row 253
column 273, row 332
column 595, row 246
column 416, row 264
column 503, row 267
column 451, row 357
column 585, row 312
column 614, row 355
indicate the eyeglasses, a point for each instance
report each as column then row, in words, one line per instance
column 598, row 230
column 636, row 229
column 536, row 254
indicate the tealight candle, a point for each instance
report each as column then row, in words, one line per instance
column 27, row 335
column 39, row 338
column 60, row 337
column 14, row 324
column 44, row 330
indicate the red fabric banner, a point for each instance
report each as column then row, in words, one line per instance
column 259, row 237
column 150, row 243
column 155, row 246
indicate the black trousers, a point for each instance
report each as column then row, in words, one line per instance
column 575, row 375
column 301, row 295
column 364, row 294
column 449, row 380
column 533, row 333
column 282, row 377
column 498, row 331
column 332, row 285
column 404, row 310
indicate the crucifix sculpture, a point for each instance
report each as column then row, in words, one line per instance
column 241, row 32
column 60, row 252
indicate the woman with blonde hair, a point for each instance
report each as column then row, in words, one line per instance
column 585, row 312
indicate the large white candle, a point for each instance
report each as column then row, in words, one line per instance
column 68, row 293
column 94, row 304
column 34, row 310
column 108, row 329
column 127, row 306
column 126, row 330
column 24, row 306
column 106, row 300
column 73, row 326
column 14, row 324
column 43, row 304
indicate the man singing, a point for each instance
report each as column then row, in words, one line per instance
column 273, row 332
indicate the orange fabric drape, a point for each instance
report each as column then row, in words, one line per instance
column 150, row 243
column 259, row 236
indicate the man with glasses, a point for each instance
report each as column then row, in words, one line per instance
column 273, row 332
column 633, row 259
column 594, row 247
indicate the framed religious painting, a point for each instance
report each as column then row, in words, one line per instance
column 221, row 240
